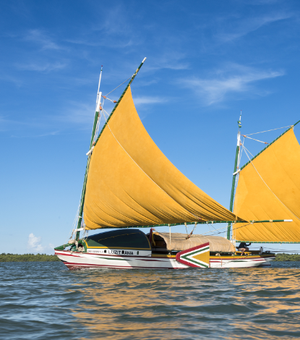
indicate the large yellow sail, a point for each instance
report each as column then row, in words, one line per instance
column 269, row 189
column 131, row 182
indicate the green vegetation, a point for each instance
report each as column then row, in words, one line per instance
column 27, row 257
column 287, row 257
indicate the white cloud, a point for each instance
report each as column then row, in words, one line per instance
column 168, row 60
column 37, row 36
column 148, row 100
column 34, row 243
column 78, row 113
column 11, row 79
column 232, row 79
column 116, row 30
column 121, row 19
column 245, row 27
column 42, row 67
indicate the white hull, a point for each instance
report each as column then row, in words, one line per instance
column 77, row 260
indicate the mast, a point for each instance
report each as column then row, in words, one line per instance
column 89, row 154
column 235, row 172
column 94, row 141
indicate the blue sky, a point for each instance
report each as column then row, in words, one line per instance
column 206, row 61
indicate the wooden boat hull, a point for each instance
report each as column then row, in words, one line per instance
column 80, row 260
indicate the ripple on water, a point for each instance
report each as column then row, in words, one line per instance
column 47, row 301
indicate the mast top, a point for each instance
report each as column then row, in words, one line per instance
column 240, row 120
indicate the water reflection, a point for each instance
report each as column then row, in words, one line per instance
column 220, row 304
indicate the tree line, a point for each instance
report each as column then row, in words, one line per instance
column 287, row 257
column 27, row 257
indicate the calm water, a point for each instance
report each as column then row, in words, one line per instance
column 47, row 301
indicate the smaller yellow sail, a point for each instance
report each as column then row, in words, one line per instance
column 269, row 189
column 132, row 183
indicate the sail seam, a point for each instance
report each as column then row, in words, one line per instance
column 144, row 171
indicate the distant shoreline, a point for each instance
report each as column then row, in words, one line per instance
column 27, row 258
column 50, row 258
column 287, row 257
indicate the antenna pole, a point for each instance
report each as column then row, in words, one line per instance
column 235, row 172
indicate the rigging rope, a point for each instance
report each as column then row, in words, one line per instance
column 257, row 140
column 221, row 229
column 283, row 127
column 113, row 101
column 191, row 233
column 117, row 86
column 186, row 229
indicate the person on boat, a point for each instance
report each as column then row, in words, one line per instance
column 243, row 247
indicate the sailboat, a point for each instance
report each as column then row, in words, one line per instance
column 129, row 185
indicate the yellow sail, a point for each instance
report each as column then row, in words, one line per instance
column 131, row 182
column 269, row 189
